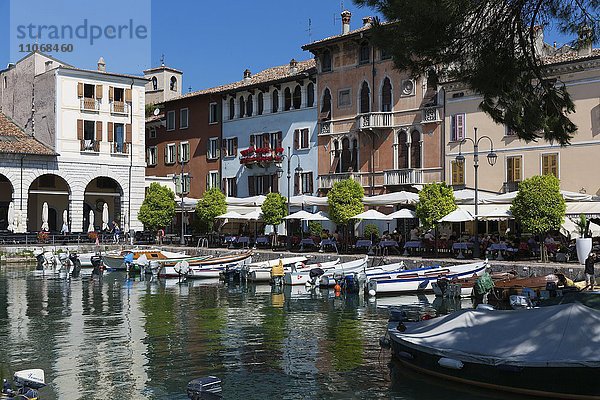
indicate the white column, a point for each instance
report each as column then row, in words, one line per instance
column 76, row 212
column 304, row 96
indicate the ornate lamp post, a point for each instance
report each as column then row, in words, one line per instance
column 492, row 157
column 298, row 170
column 182, row 195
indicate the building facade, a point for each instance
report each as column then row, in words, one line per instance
column 574, row 165
column 93, row 120
column 376, row 124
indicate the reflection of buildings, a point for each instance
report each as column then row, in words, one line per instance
column 93, row 120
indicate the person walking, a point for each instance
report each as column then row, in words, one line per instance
column 589, row 271
column 116, row 231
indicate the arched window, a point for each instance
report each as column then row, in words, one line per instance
column 310, row 95
column 386, row 95
column 326, row 107
column 242, row 107
column 365, row 94
column 231, row 108
column 173, row 83
column 336, row 157
column 249, row 106
column 402, row 151
column 261, row 104
column 364, row 53
column 154, row 83
column 415, row 149
column 326, row 61
column 346, row 160
column 355, row 155
column 287, row 99
column 297, row 100
column 275, row 101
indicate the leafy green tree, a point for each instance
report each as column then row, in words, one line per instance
column 345, row 201
column 494, row 47
column 371, row 231
column 436, row 200
column 315, row 228
column 211, row 205
column 274, row 209
column 539, row 207
column 158, row 208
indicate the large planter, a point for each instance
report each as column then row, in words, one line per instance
column 584, row 247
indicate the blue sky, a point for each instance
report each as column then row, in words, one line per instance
column 213, row 42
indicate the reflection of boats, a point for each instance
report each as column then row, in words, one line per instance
column 420, row 279
column 204, row 282
column 213, row 267
column 404, row 300
column 261, row 271
column 115, row 261
column 343, row 269
column 464, row 287
column 505, row 350
column 302, row 275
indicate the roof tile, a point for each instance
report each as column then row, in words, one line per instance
column 13, row 140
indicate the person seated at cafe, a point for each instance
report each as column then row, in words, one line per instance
column 324, row 234
column 336, row 236
column 429, row 236
column 550, row 244
column 414, row 233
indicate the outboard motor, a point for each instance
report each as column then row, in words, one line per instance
column 27, row 382
column 40, row 261
column 75, row 265
column 96, row 265
column 315, row 274
column 206, row 388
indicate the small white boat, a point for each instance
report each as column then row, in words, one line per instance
column 344, row 269
column 214, row 267
column 114, row 261
column 420, row 279
column 261, row 271
column 302, row 274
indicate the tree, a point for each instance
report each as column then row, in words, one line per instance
column 211, row 205
column 345, row 201
column 436, row 200
column 539, row 207
column 274, row 209
column 158, row 208
column 496, row 48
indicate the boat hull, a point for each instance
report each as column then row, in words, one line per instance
column 302, row 276
column 213, row 268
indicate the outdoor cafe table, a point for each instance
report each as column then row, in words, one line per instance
column 412, row 244
column 363, row 244
column 328, row 242
column 499, row 248
column 384, row 245
column 462, row 246
column 243, row 240
column 262, row 240
column 307, row 242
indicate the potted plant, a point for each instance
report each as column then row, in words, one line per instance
column 583, row 244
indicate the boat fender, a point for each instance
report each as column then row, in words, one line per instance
column 372, row 293
column 337, row 288
column 384, row 342
column 450, row 363
column 405, row 355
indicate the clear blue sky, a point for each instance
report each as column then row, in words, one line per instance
column 213, row 42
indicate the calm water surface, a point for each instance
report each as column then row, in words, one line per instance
column 122, row 339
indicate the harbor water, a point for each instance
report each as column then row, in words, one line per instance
column 116, row 338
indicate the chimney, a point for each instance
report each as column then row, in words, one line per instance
column 293, row 66
column 584, row 42
column 346, row 15
column 101, row 65
column 367, row 22
column 247, row 75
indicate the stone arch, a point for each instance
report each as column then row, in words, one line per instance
column 364, row 98
column 416, row 160
column 6, row 196
column 52, row 189
column 100, row 190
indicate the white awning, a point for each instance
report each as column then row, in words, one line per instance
column 305, row 200
column 458, row 215
column 390, row 199
column 254, row 201
column 591, row 209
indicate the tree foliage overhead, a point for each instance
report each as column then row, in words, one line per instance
column 490, row 45
column 539, row 206
column 274, row 209
column 158, row 208
column 436, row 200
column 345, row 200
column 211, row 205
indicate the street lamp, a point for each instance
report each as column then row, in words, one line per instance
column 182, row 195
column 492, row 157
column 298, row 170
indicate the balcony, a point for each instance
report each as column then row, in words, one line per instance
column 119, row 148
column 261, row 157
column 89, row 104
column 90, row 146
column 375, row 120
column 119, row 107
column 325, row 128
column 403, row 177
column 430, row 115
column 510, row 187
column 364, row 178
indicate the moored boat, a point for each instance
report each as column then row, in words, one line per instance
column 302, row 274
column 508, row 350
column 114, row 261
column 215, row 266
column 342, row 270
column 456, row 287
column 503, row 290
column 261, row 271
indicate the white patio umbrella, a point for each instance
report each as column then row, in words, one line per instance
column 105, row 217
column 373, row 215
column 11, row 217
column 45, row 226
column 91, row 222
column 65, row 227
column 229, row 215
column 404, row 213
column 306, row 216
column 458, row 215
column 497, row 214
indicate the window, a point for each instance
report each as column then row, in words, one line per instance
column 183, row 118
column 303, row 183
column 231, row 187
column 152, row 133
column 263, row 184
column 186, row 184
column 230, row 147
column 118, row 95
column 171, row 120
column 275, row 101
column 326, row 61
column 118, row 138
column 184, row 152
column 89, row 131
column 550, row 164
column 513, row 169
column 212, row 150
column 458, row 173
column 297, row 100
column 457, row 128
column 151, row 155
column 261, row 104
column 402, row 150
column 344, row 99
column 231, row 108
column 274, row 140
column 242, row 107
column 170, row 153
column 89, row 91
column 364, row 53
column 4, row 82
column 301, row 139
column 386, row 95
column 250, row 106
column 384, row 54
column 415, row 149
column 310, row 95
column 213, row 113
column 154, row 83
column 287, row 99
column 173, row 83
column 326, row 107
column 212, row 180
column 365, row 97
